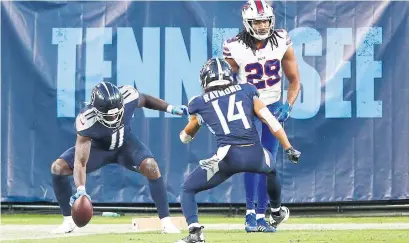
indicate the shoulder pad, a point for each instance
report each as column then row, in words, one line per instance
column 228, row 45
column 284, row 34
column 129, row 93
column 85, row 120
column 191, row 99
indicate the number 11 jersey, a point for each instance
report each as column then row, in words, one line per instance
column 262, row 68
column 103, row 137
column 228, row 113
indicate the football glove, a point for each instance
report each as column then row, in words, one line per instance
column 78, row 194
column 293, row 155
column 283, row 112
column 179, row 110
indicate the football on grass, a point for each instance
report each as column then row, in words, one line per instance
column 82, row 211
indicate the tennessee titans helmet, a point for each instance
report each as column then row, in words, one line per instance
column 108, row 104
column 216, row 72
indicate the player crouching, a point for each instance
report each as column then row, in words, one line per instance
column 104, row 136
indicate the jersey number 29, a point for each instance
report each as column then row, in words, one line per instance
column 230, row 113
column 257, row 71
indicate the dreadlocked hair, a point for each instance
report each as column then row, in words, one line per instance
column 250, row 41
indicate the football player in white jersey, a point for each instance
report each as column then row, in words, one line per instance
column 258, row 55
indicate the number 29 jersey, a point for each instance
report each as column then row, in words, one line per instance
column 263, row 69
column 228, row 114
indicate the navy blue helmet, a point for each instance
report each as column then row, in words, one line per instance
column 216, row 72
column 108, row 104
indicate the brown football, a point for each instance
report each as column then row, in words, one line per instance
column 82, row 211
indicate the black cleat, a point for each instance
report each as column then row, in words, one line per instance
column 195, row 236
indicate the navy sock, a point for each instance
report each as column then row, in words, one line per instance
column 159, row 196
column 63, row 192
column 274, row 190
column 189, row 206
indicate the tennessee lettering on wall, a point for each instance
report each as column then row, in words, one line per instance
column 181, row 67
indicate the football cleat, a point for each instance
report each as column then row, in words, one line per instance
column 284, row 215
column 251, row 223
column 195, row 236
column 263, row 226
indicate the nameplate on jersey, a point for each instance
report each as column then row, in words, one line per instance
column 219, row 93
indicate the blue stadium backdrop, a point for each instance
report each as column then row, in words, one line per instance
column 351, row 120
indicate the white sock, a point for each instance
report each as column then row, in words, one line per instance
column 197, row 225
column 273, row 210
column 67, row 218
column 250, row 211
column 165, row 221
column 260, row 216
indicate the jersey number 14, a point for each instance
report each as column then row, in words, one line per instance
column 230, row 113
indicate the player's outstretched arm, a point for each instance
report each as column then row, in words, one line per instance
column 189, row 132
column 290, row 69
column 82, row 151
column 264, row 114
column 154, row 103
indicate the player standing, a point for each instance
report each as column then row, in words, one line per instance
column 229, row 111
column 104, row 136
column 257, row 55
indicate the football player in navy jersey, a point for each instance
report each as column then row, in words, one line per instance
column 229, row 110
column 104, row 136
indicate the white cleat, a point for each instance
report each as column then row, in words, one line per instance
column 168, row 227
column 284, row 215
column 67, row 226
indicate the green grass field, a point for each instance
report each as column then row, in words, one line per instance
column 206, row 219
column 239, row 236
column 348, row 236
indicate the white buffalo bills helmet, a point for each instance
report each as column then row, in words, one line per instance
column 255, row 11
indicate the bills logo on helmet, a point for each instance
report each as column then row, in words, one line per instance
column 246, row 6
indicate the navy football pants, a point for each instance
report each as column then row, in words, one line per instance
column 253, row 158
column 130, row 155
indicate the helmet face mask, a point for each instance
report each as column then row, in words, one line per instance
column 112, row 119
column 258, row 19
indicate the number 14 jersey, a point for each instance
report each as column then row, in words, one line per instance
column 263, row 69
column 228, row 113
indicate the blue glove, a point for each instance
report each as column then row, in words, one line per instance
column 283, row 112
column 179, row 110
column 80, row 192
